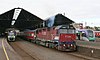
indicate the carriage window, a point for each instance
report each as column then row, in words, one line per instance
column 40, row 30
column 44, row 29
column 37, row 31
column 48, row 29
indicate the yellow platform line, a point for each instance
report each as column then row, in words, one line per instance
column 4, row 49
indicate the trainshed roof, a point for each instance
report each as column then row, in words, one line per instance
column 24, row 20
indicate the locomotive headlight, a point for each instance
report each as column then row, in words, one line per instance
column 32, row 34
column 8, row 36
column 71, row 44
column 64, row 45
column 56, row 38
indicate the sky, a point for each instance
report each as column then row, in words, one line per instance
column 80, row 11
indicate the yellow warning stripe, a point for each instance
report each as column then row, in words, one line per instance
column 4, row 49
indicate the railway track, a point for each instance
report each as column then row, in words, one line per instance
column 21, row 51
column 30, row 51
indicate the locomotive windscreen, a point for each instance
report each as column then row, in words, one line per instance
column 90, row 33
column 69, row 31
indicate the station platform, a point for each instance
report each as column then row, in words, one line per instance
column 6, row 51
column 87, row 48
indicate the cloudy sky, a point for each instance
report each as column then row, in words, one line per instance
column 80, row 11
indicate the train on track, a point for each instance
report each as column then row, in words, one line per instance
column 11, row 36
column 59, row 37
column 86, row 35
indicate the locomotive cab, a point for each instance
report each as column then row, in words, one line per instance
column 11, row 36
column 67, row 37
column 86, row 35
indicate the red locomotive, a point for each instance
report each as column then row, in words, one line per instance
column 60, row 37
column 29, row 35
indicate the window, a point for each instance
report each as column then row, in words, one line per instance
column 84, row 34
column 90, row 33
column 63, row 31
column 69, row 31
